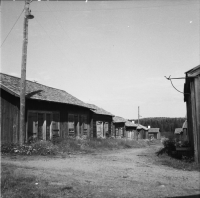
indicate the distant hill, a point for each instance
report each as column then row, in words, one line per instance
column 165, row 124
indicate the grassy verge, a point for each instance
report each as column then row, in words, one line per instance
column 15, row 184
column 18, row 185
column 176, row 163
column 69, row 145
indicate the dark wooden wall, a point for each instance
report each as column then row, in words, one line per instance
column 10, row 114
column 9, row 118
column 192, row 99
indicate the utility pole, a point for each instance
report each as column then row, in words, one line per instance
column 138, row 115
column 27, row 16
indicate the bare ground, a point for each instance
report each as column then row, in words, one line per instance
column 117, row 173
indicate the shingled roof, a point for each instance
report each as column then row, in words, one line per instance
column 130, row 124
column 98, row 110
column 142, row 127
column 38, row 91
column 118, row 119
column 154, row 130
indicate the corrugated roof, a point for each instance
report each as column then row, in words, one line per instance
column 178, row 130
column 98, row 110
column 154, row 130
column 118, row 119
column 38, row 91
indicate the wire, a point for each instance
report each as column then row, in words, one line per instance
column 65, row 33
column 12, row 28
column 115, row 8
column 174, row 86
column 51, row 39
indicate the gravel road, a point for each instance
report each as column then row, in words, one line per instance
column 119, row 173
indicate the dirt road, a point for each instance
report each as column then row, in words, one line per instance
column 121, row 173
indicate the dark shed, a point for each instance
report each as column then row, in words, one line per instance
column 192, row 99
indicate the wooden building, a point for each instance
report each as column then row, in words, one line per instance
column 131, row 130
column 126, row 129
column 119, row 127
column 100, row 122
column 192, row 99
column 142, row 132
column 154, row 132
column 178, row 134
column 49, row 112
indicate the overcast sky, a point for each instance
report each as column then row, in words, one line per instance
column 113, row 54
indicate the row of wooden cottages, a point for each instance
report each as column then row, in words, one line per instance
column 52, row 112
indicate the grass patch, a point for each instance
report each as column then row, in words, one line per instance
column 176, row 163
column 18, row 185
column 69, row 145
column 168, row 155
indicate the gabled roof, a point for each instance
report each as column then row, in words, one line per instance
column 193, row 72
column 154, row 130
column 184, row 125
column 130, row 124
column 142, row 127
column 118, row 119
column 38, row 91
column 98, row 110
column 178, row 130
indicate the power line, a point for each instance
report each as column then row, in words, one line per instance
column 108, row 9
column 12, row 28
column 51, row 39
column 65, row 33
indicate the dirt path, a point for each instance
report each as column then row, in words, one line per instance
column 124, row 173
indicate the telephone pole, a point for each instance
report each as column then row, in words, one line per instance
column 27, row 15
column 138, row 115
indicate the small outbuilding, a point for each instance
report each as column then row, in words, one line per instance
column 119, row 127
column 154, row 132
column 130, row 130
column 142, row 132
column 179, row 134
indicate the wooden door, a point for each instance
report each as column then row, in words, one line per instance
column 32, row 126
column 55, row 125
column 48, row 126
column 76, row 125
column 41, row 120
column 99, row 126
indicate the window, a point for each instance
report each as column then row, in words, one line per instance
column 85, row 125
column 99, row 126
column 71, row 124
column 42, row 125
column 106, row 132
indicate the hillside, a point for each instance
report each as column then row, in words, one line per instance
column 165, row 124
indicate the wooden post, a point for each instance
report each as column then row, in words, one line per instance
column 23, row 74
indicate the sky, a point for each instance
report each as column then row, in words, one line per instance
column 113, row 54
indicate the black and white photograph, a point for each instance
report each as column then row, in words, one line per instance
column 100, row 99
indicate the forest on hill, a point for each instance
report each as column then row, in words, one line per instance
column 165, row 124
